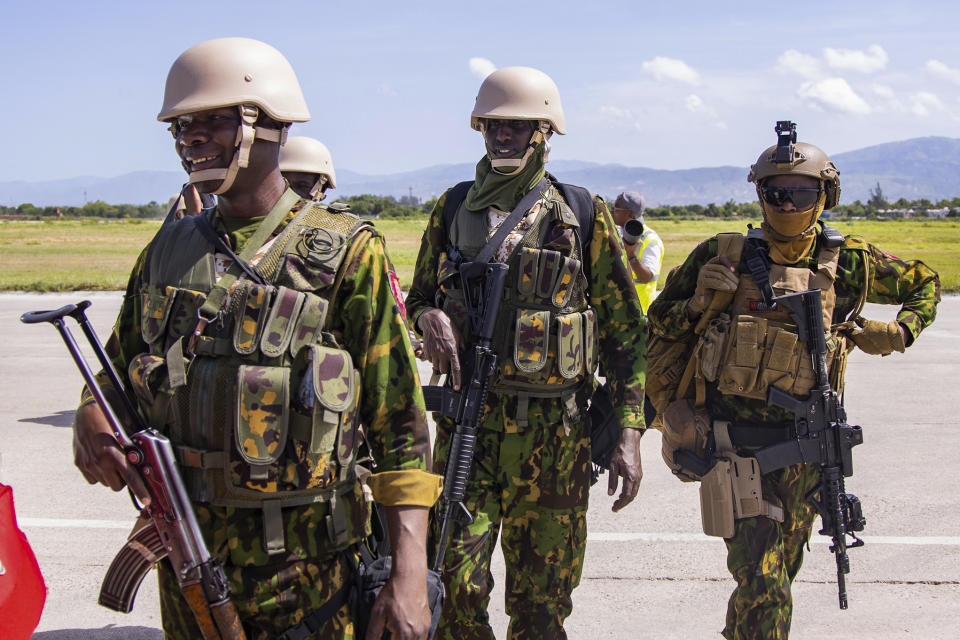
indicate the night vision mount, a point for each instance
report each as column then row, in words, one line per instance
column 786, row 137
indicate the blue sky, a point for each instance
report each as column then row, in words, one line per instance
column 390, row 85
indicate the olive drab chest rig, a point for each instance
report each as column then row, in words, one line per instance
column 258, row 398
column 546, row 334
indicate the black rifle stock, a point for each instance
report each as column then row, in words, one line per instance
column 482, row 285
column 822, row 437
column 167, row 527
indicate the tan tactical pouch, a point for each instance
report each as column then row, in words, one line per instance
column 684, row 427
column 732, row 489
column 761, row 353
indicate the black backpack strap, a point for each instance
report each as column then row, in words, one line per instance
column 581, row 202
column 455, row 197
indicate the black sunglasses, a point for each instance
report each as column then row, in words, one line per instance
column 802, row 197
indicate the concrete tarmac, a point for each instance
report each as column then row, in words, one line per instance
column 649, row 571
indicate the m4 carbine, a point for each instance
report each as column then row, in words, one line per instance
column 167, row 527
column 822, row 437
column 482, row 285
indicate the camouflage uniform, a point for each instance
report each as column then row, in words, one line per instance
column 533, row 480
column 275, row 591
column 764, row 556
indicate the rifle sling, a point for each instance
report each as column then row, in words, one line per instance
column 512, row 221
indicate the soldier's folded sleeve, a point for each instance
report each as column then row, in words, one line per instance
column 406, row 488
column 620, row 321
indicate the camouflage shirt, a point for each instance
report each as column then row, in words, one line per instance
column 621, row 325
column 911, row 284
column 367, row 322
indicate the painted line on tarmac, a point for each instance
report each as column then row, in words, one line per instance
column 948, row 541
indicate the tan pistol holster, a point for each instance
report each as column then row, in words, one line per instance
column 732, row 489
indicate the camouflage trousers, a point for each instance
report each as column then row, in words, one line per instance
column 530, row 483
column 764, row 557
column 270, row 599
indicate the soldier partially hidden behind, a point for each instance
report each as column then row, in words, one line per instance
column 307, row 167
column 568, row 300
column 750, row 347
column 261, row 366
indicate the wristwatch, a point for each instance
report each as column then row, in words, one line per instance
column 634, row 258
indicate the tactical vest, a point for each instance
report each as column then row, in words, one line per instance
column 546, row 335
column 263, row 413
column 752, row 347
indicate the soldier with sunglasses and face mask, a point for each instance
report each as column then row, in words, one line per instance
column 750, row 346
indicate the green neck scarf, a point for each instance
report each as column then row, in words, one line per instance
column 492, row 189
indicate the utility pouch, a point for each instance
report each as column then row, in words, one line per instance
column 570, row 345
column 563, row 288
column 716, row 501
column 547, row 272
column 280, row 323
column 532, row 340
column 145, row 375
column 155, row 305
column 685, row 428
column 254, row 308
column 527, row 278
column 590, row 353
column 335, row 388
column 309, row 323
column 262, row 419
column 742, row 359
column 710, row 348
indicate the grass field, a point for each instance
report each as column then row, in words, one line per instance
column 65, row 255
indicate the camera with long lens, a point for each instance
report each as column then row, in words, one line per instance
column 632, row 231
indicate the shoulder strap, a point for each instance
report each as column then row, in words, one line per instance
column 581, row 202
column 455, row 197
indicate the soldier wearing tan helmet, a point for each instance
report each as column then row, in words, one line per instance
column 748, row 346
column 568, row 302
column 307, row 166
column 257, row 336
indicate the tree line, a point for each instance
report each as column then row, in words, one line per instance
column 371, row 206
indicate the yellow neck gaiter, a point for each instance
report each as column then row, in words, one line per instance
column 791, row 235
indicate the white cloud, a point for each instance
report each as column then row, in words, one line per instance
column 386, row 90
column 802, row 64
column 922, row 102
column 481, row 67
column 833, row 94
column 941, row 70
column 695, row 103
column 663, row 68
column 873, row 59
column 883, row 91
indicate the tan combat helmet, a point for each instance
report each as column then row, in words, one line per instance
column 308, row 155
column 241, row 72
column 789, row 157
column 520, row 93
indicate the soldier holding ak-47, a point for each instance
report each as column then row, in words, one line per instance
column 257, row 337
column 760, row 423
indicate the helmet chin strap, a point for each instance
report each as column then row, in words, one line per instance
column 247, row 133
column 500, row 164
column 317, row 191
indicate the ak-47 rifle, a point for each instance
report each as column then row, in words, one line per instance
column 482, row 285
column 822, row 437
column 167, row 527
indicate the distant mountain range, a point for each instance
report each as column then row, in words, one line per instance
column 916, row 168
